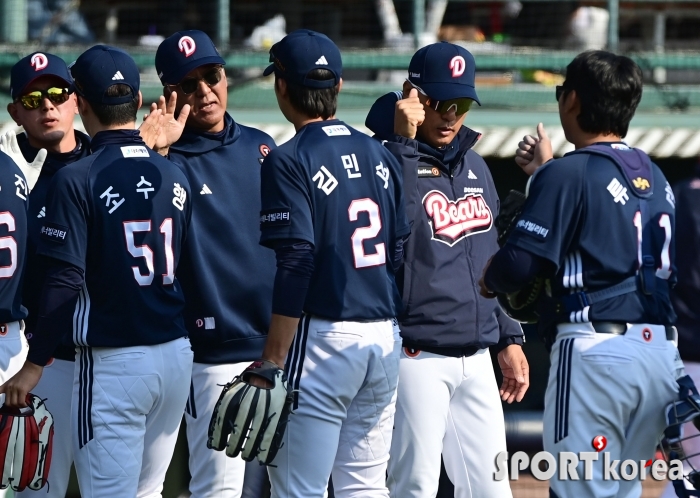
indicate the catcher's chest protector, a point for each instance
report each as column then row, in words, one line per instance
column 26, row 439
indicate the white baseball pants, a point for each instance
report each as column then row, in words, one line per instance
column 346, row 374
column 690, row 446
column 447, row 406
column 615, row 386
column 215, row 475
column 56, row 386
column 13, row 349
column 127, row 409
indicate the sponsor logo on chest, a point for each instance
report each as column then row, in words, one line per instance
column 451, row 221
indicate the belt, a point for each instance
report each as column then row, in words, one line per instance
column 620, row 328
column 452, row 352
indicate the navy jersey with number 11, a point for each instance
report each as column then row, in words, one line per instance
column 340, row 190
column 121, row 215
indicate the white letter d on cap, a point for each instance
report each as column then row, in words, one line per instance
column 458, row 65
column 187, row 45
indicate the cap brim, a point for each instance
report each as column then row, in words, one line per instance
column 179, row 73
column 449, row 91
column 269, row 70
column 22, row 90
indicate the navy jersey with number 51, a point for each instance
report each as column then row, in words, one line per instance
column 13, row 239
column 121, row 215
column 604, row 215
column 340, row 190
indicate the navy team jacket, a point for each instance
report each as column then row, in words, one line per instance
column 686, row 293
column 452, row 203
column 226, row 276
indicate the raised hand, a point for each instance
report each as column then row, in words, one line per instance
column 409, row 114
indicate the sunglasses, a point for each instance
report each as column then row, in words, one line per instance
column 559, row 91
column 33, row 100
column 460, row 105
column 189, row 85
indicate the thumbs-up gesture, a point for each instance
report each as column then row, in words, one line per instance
column 533, row 152
column 408, row 115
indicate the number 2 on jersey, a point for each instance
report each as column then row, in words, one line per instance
column 664, row 271
column 363, row 260
column 166, row 228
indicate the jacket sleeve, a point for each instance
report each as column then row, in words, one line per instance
column 405, row 151
column 510, row 331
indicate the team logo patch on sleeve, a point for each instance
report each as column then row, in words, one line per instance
column 54, row 232
column 452, row 221
column 275, row 218
column 532, row 227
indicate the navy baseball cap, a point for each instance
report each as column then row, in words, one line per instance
column 444, row 71
column 182, row 52
column 302, row 51
column 34, row 66
column 100, row 67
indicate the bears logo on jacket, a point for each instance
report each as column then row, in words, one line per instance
column 452, row 221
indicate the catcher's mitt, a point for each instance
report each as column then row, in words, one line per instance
column 255, row 418
column 521, row 305
column 26, row 441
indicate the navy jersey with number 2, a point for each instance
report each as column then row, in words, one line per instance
column 13, row 239
column 121, row 215
column 340, row 190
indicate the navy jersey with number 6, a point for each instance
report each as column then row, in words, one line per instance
column 121, row 215
column 13, row 239
column 604, row 215
column 340, row 190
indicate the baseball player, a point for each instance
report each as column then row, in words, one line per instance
column 114, row 226
column 225, row 275
column 332, row 208
column 599, row 224
column 448, row 400
column 684, row 297
column 45, row 109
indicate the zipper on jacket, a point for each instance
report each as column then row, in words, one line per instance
column 469, row 262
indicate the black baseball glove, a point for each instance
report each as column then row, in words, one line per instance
column 251, row 420
column 520, row 305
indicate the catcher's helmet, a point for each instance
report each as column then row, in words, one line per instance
column 685, row 409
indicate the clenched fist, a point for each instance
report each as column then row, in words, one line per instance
column 408, row 115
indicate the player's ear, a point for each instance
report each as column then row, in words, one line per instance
column 340, row 85
column 281, row 86
column 140, row 100
column 12, row 111
column 74, row 98
column 572, row 102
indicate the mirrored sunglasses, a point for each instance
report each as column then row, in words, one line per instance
column 211, row 78
column 33, row 100
column 460, row 105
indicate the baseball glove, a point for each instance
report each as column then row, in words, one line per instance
column 250, row 420
column 521, row 305
column 26, row 442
